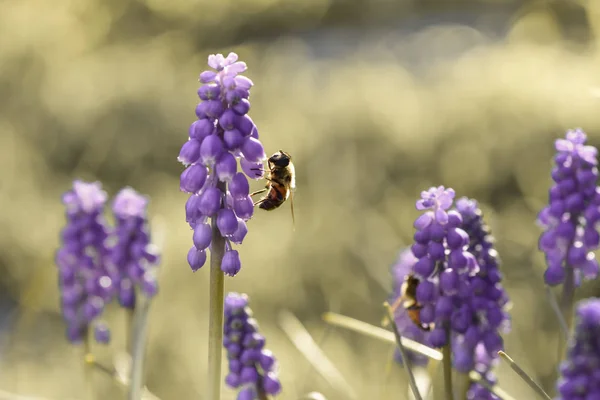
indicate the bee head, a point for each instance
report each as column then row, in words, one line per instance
column 280, row 159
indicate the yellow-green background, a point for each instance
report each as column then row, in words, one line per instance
column 375, row 100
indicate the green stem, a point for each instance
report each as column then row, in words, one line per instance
column 567, row 300
column 129, row 315
column 138, row 348
column 447, row 362
column 463, row 383
column 528, row 379
column 215, row 322
column 405, row 359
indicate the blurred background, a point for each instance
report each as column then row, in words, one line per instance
column 375, row 99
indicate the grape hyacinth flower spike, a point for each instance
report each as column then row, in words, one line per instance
column 85, row 283
column 132, row 254
column 488, row 301
column 251, row 365
column 579, row 371
column 222, row 134
column 570, row 219
column 443, row 269
column 443, row 266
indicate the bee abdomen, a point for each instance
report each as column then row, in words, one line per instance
column 269, row 204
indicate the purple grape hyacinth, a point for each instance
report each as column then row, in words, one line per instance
column 570, row 219
column 132, row 255
column 484, row 364
column 84, row 280
column 406, row 327
column 251, row 366
column 444, row 266
column 488, row 301
column 579, row 371
column 222, row 134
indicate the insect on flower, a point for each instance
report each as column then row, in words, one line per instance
column 408, row 297
column 281, row 183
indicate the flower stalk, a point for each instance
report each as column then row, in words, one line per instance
column 405, row 358
column 216, row 302
column 138, row 348
column 447, row 365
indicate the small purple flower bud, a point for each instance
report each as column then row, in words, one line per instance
column 190, row 152
column 253, row 150
column 210, row 201
column 231, row 263
column 193, row 178
column 245, row 125
column 233, row 380
column 200, row 129
column 209, row 92
column 192, row 213
column 226, row 222
column 202, row 236
column 242, row 107
column 211, row 149
column 228, row 120
column 226, row 167
column 244, row 207
column 196, row 258
column 437, row 338
column 209, row 109
column 207, row 76
column 424, row 267
column 240, row 232
column 239, row 187
column 233, row 139
column 267, row 360
column 101, row 333
column 271, row 384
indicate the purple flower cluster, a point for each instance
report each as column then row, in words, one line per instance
column 580, row 375
column 83, row 276
column 488, row 300
column 444, row 266
column 132, row 254
column 570, row 219
column 406, row 327
column 97, row 263
column 222, row 134
column 251, row 366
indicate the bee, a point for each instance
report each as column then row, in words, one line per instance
column 408, row 298
column 281, row 183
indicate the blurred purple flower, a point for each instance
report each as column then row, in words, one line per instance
column 222, row 134
column 131, row 254
column 483, row 364
column 84, row 280
column 488, row 300
column 444, row 267
column 579, row 371
column 251, row 366
column 570, row 218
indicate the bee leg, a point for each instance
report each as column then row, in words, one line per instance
column 259, row 202
column 396, row 304
column 258, row 192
